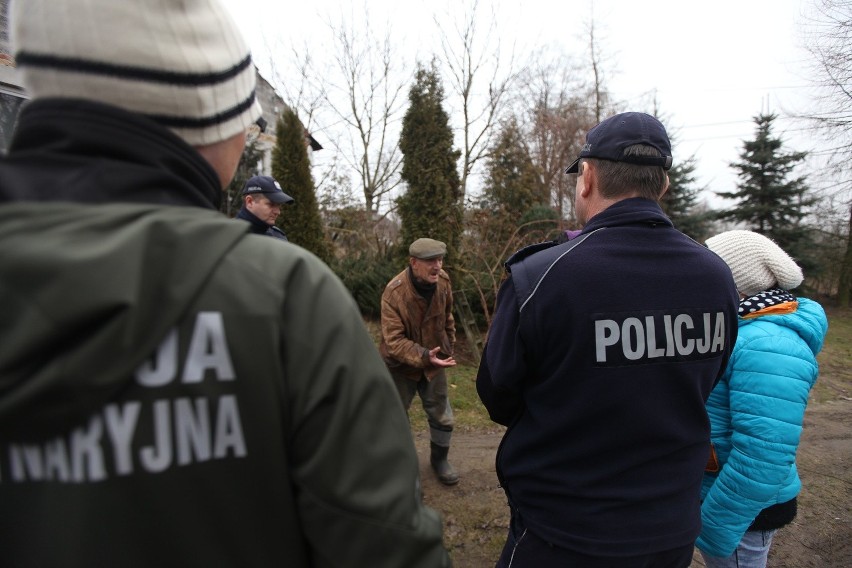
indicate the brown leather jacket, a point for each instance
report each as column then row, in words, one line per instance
column 410, row 328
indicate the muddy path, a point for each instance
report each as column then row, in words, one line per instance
column 476, row 516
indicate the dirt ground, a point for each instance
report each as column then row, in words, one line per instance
column 476, row 516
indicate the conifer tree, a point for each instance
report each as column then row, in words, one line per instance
column 291, row 168
column 767, row 200
column 432, row 204
column 828, row 39
column 514, row 196
column 512, row 180
column 232, row 199
column 680, row 202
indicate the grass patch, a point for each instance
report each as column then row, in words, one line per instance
column 835, row 359
column 467, row 408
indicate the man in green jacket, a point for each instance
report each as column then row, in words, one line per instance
column 175, row 391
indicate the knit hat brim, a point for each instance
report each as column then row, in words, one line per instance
column 756, row 262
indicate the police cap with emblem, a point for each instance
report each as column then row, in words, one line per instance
column 607, row 141
column 269, row 188
column 427, row 249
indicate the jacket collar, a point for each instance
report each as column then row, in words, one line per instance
column 632, row 211
column 77, row 150
column 257, row 225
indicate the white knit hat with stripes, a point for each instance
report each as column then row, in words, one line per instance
column 756, row 262
column 182, row 63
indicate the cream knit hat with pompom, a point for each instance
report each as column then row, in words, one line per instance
column 182, row 63
column 756, row 262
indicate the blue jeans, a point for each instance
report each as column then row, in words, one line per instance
column 751, row 552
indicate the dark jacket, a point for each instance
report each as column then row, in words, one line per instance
column 600, row 367
column 173, row 390
column 259, row 227
column 411, row 326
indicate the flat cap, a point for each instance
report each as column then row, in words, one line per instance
column 426, row 249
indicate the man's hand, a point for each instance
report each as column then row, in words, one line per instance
column 436, row 361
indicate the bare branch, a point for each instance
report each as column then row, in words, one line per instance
column 475, row 62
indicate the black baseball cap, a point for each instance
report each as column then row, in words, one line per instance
column 270, row 189
column 608, row 140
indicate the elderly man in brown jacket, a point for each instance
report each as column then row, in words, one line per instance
column 418, row 338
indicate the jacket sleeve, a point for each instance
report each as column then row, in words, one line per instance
column 397, row 343
column 500, row 378
column 355, row 468
column 769, row 377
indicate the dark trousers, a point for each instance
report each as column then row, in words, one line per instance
column 433, row 396
column 523, row 549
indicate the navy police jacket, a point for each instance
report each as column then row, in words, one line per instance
column 600, row 357
column 259, row 227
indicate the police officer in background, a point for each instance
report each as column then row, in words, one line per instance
column 262, row 201
column 600, row 357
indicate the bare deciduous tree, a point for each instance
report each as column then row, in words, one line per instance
column 829, row 40
column 305, row 93
column 367, row 94
column 480, row 76
column 557, row 114
column 595, row 64
column 353, row 96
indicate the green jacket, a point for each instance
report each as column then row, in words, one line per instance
column 253, row 434
column 177, row 392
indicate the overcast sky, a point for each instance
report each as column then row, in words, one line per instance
column 711, row 66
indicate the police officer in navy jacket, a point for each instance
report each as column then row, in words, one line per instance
column 262, row 201
column 600, row 357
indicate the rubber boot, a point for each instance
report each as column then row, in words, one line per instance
column 446, row 474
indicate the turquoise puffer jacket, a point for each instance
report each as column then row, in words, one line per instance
column 756, row 414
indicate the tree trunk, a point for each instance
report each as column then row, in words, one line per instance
column 845, row 285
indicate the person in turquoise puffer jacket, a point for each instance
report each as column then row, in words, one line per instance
column 756, row 410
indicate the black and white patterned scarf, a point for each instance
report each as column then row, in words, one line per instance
column 764, row 300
